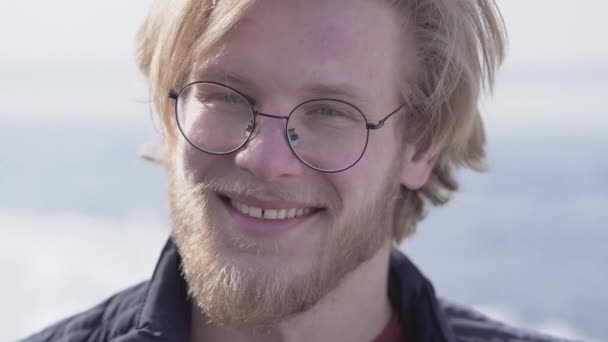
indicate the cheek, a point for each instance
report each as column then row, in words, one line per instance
column 372, row 166
column 353, row 186
column 194, row 162
column 359, row 184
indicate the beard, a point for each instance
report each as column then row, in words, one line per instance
column 245, row 298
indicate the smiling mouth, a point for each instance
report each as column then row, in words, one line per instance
column 272, row 214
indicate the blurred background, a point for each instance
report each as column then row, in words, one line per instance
column 81, row 216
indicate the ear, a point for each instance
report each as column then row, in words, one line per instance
column 417, row 168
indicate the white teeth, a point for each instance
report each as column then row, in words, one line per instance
column 270, row 214
column 255, row 212
column 282, row 214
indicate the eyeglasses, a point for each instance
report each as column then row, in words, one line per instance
column 327, row 135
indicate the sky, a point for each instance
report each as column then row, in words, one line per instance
column 557, row 67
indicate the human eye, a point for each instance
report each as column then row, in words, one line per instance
column 324, row 111
column 328, row 112
column 220, row 97
column 232, row 98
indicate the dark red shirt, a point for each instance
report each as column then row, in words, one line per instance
column 392, row 331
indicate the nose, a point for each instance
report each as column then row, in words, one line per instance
column 267, row 154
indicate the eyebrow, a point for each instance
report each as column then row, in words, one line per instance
column 224, row 77
column 335, row 91
column 340, row 91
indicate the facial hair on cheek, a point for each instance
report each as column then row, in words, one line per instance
column 242, row 299
column 360, row 236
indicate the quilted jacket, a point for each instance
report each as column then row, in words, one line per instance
column 158, row 310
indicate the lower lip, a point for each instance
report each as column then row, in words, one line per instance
column 264, row 227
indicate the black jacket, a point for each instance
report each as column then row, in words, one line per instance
column 158, row 310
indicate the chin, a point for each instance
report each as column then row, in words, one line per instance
column 270, row 257
column 268, row 263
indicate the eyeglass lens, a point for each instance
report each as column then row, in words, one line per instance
column 327, row 135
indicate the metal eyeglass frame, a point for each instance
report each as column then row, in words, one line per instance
column 368, row 125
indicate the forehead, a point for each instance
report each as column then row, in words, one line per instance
column 288, row 44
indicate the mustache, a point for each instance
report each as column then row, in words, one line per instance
column 321, row 197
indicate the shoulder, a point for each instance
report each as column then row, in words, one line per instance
column 112, row 317
column 470, row 325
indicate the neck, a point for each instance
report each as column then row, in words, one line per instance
column 357, row 310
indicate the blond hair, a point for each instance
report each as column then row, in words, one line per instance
column 459, row 46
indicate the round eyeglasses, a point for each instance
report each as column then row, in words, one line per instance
column 327, row 135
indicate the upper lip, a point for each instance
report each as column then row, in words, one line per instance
column 268, row 203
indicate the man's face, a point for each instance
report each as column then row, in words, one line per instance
column 249, row 271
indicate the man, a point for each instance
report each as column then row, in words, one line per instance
column 303, row 139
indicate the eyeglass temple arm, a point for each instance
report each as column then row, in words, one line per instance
column 172, row 95
column 380, row 123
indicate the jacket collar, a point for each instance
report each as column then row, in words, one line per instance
column 166, row 313
column 166, row 310
column 413, row 294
